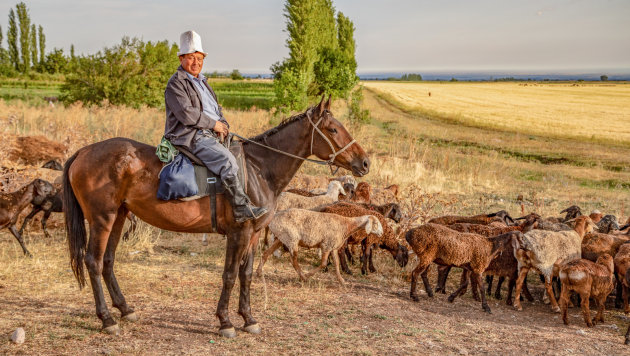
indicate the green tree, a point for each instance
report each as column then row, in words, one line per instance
column 236, row 75
column 346, row 39
column 132, row 73
column 42, row 45
column 55, row 62
column 25, row 46
column 334, row 73
column 310, row 26
column 12, row 39
column 5, row 64
column 34, row 45
column 603, row 78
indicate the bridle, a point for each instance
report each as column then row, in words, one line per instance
column 331, row 158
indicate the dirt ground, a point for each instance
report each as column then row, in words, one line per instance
column 173, row 282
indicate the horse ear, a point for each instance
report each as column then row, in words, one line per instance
column 320, row 106
column 327, row 107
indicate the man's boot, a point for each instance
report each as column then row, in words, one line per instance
column 241, row 206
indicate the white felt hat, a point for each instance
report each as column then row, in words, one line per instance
column 190, row 42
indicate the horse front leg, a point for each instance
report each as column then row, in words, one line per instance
column 235, row 247
column 245, row 278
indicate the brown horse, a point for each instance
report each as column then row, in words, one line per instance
column 105, row 180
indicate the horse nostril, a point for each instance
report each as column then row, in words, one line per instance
column 366, row 163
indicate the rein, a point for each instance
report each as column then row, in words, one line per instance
column 328, row 162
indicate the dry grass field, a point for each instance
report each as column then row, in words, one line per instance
column 443, row 166
column 598, row 112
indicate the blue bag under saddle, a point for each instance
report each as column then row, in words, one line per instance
column 177, row 179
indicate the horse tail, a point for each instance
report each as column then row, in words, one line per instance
column 75, row 226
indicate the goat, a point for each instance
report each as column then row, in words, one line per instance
column 306, row 228
column 12, row 204
column 588, row 279
column 435, row 243
column 546, row 251
column 54, row 204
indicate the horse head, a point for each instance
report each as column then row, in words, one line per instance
column 331, row 140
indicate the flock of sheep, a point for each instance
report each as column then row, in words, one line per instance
column 566, row 251
column 587, row 255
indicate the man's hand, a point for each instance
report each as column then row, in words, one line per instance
column 221, row 129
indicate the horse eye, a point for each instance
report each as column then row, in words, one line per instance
column 333, row 130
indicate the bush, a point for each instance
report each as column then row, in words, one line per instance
column 357, row 115
column 236, row 75
column 133, row 73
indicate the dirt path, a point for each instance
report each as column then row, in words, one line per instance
column 174, row 286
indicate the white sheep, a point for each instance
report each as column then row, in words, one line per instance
column 288, row 200
column 546, row 251
column 347, row 179
column 305, row 228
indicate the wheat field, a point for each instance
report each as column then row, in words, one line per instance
column 587, row 111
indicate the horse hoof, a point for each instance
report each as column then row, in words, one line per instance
column 518, row 307
column 252, row 329
column 131, row 317
column 555, row 309
column 229, row 333
column 112, row 330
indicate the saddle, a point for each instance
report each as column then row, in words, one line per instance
column 209, row 184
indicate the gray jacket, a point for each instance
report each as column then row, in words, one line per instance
column 184, row 113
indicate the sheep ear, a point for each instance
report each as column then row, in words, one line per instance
column 516, row 243
column 368, row 226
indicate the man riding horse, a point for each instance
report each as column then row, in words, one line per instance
column 195, row 121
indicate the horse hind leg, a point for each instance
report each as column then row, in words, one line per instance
column 118, row 300
column 100, row 230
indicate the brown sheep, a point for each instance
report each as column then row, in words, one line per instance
column 622, row 270
column 12, row 204
column 386, row 241
column 385, row 195
column 588, row 279
column 596, row 244
column 362, row 193
column 502, row 267
column 435, row 243
column 483, row 219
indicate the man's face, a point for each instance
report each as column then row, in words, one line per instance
column 192, row 63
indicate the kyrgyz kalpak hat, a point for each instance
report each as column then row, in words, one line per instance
column 190, row 42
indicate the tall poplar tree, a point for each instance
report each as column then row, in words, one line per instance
column 12, row 39
column 25, row 29
column 310, row 26
column 33, row 45
column 42, row 45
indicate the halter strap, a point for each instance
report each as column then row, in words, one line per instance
column 331, row 157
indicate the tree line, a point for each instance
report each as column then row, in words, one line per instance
column 134, row 73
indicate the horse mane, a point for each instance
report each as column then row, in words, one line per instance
column 297, row 117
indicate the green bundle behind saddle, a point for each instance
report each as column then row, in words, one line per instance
column 166, row 151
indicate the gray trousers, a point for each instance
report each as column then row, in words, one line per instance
column 214, row 155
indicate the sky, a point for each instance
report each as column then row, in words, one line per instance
column 391, row 36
